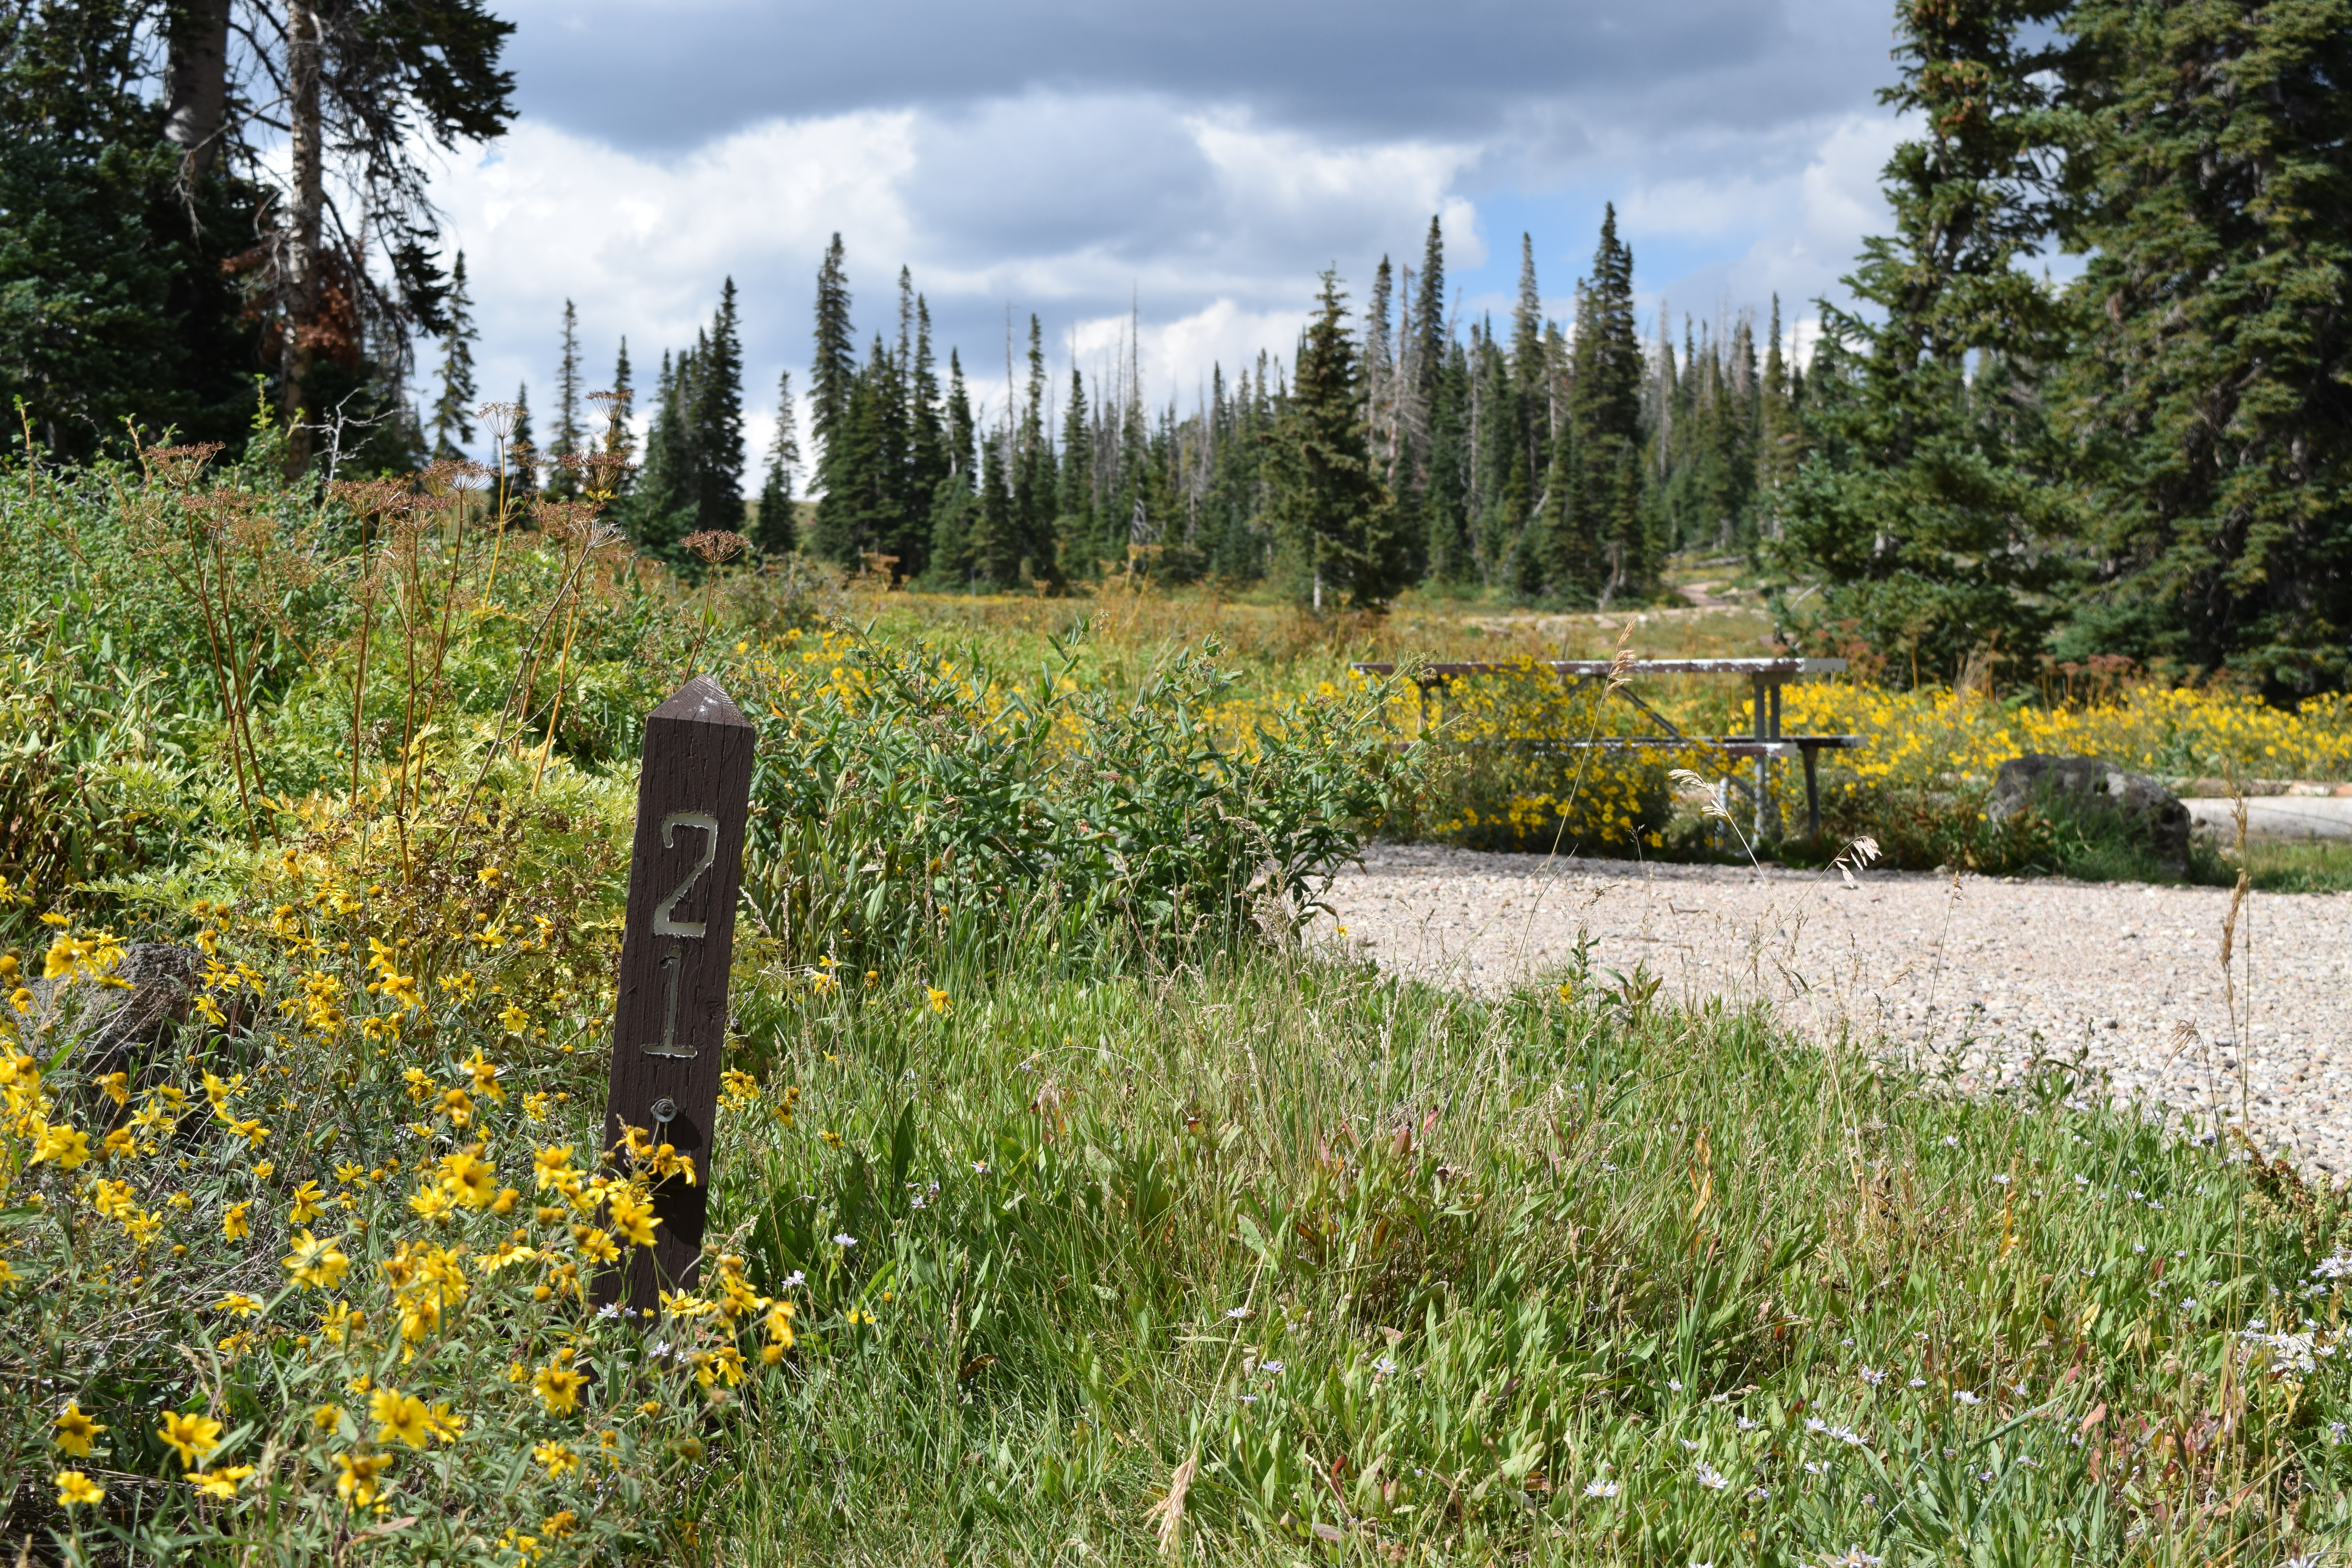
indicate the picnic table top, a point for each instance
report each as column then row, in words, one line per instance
column 1781, row 667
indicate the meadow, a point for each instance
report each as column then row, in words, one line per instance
column 1067, row 1207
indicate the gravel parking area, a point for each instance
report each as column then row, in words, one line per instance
column 1983, row 975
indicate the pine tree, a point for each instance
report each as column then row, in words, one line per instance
column 1074, row 504
column 2211, row 377
column 570, row 439
column 1033, row 481
column 717, row 413
column 1934, row 531
column 1606, row 549
column 620, row 443
column 522, row 453
column 835, row 369
column 775, row 534
column 1379, row 374
column 954, row 499
column 453, row 423
column 1332, row 518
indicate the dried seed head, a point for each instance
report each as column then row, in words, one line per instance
column 715, row 544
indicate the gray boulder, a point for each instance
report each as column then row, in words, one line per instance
column 130, row 1025
column 2090, row 786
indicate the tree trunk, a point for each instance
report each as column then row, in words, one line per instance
column 306, row 204
column 196, row 82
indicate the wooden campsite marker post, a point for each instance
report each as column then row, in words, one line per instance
column 670, row 1019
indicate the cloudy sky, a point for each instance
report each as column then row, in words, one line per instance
column 1199, row 163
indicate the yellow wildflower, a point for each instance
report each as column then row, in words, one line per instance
column 75, row 1490
column 76, row 1431
column 362, row 1477
column 220, row 1483
column 192, row 1435
column 399, row 1416
column 315, row 1263
column 67, row 1147
column 234, row 1223
column 469, row 1178
column 559, row 1387
column 632, row 1220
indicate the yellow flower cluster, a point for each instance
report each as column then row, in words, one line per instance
column 1934, row 738
column 434, row 1265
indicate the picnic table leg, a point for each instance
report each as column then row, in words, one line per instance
column 1764, row 689
column 1812, row 797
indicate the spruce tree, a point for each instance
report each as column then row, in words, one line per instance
column 620, row 443
column 1380, row 373
column 1935, row 533
column 1439, row 526
column 927, row 436
column 2210, row 382
column 453, row 410
column 1074, row 523
column 1443, row 504
column 1779, row 442
column 836, row 368
column 570, row 439
column 1606, row 549
column 716, row 415
column 955, row 499
column 522, row 453
column 1333, row 520
column 775, row 533
column 1034, row 479
column 996, row 533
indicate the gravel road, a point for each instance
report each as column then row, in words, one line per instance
column 1981, row 973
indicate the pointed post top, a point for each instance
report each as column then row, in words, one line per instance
column 701, row 700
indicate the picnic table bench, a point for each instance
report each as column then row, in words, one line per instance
column 1763, row 746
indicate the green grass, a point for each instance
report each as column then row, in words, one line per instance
column 1418, row 1279
column 2280, row 866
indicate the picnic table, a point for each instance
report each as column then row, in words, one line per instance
column 1763, row 746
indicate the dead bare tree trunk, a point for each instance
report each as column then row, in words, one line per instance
column 306, row 206
column 195, row 83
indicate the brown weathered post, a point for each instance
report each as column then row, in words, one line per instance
column 669, row 1020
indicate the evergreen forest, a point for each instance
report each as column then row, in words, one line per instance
column 1973, row 465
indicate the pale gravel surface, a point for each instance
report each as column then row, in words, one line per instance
column 1979, row 974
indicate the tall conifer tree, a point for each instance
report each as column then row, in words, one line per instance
column 453, row 410
column 775, row 534
column 620, row 442
column 1931, row 527
column 717, row 413
column 1332, row 518
column 2212, row 379
column 570, row 440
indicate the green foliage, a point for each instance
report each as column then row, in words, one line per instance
column 1932, row 506
column 2209, row 380
column 114, row 302
column 909, row 804
column 1333, row 521
column 1377, row 1269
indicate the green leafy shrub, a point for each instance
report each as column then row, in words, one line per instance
column 904, row 799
